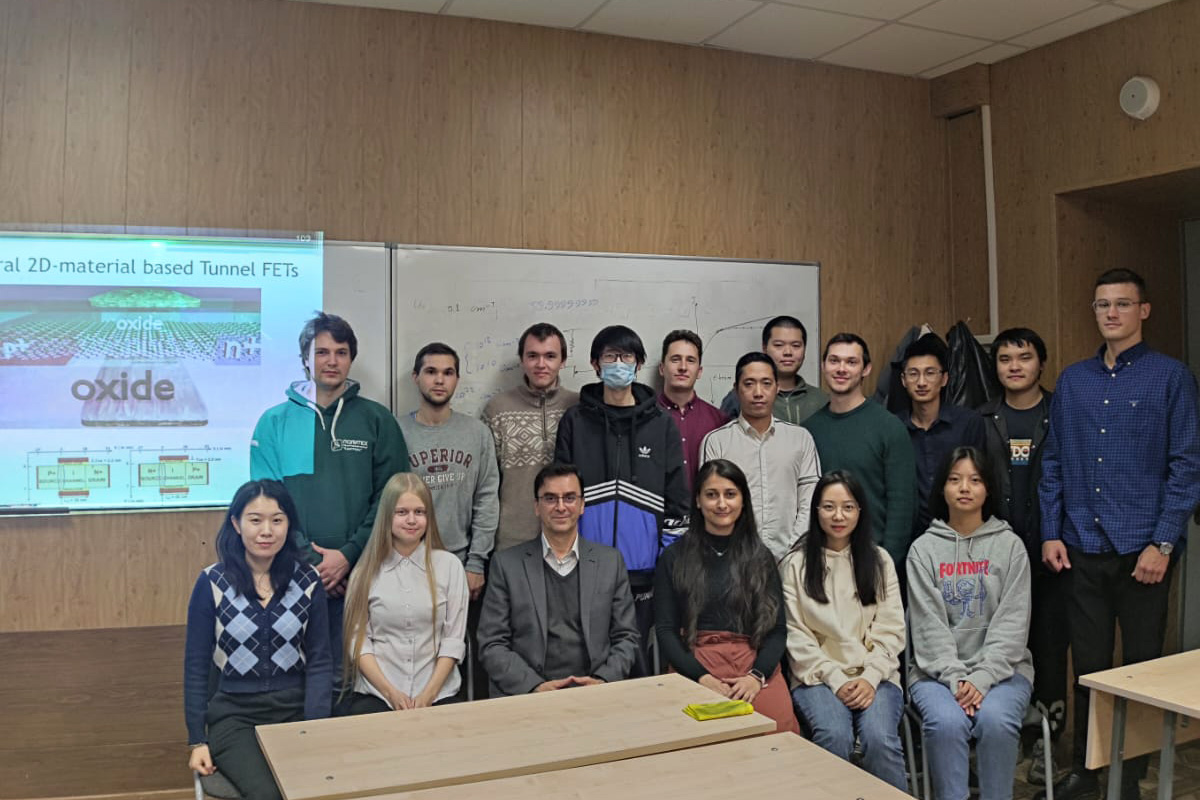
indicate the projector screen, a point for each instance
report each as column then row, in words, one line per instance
column 133, row 368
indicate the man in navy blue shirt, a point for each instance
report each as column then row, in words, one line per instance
column 1120, row 476
column 934, row 427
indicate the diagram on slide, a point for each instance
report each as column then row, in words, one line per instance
column 128, row 474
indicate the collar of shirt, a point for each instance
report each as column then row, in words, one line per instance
column 801, row 387
column 1124, row 358
column 535, row 396
column 394, row 559
column 671, row 405
column 552, row 558
column 751, row 431
column 944, row 416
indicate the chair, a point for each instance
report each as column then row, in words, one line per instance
column 913, row 716
column 215, row 785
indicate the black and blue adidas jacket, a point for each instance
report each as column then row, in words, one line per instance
column 630, row 459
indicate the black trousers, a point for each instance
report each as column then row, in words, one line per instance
column 1049, row 638
column 1103, row 593
column 231, row 741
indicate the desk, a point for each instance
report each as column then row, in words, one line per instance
column 783, row 765
column 467, row 742
column 1162, row 691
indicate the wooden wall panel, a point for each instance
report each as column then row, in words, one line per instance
column 92, row 712
column 218, row 137
column 392, row 132
column 1090, row 232
column 160, row 69
column 496, row 144
column 278, row 116
column 97, row 131
column 337, row 110
column 444, row 188
column 968, row 221
column 35, row 109
column 1058, row 127
column 102, row 570
column 547, row 121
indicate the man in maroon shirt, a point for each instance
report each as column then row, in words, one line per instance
column 680, row 369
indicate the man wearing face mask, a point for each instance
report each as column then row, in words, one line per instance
column 630, row 460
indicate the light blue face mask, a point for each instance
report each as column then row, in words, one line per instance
column 618, row 375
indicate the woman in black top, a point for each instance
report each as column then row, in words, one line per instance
column 718, row 601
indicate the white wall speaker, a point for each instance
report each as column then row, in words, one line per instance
column 1139, row 97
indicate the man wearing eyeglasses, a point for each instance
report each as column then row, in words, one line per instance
column 1120, row 476
column 935, row 428
column 630, row 459
column 558, row 612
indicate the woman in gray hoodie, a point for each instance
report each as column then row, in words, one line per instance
column 968, row 591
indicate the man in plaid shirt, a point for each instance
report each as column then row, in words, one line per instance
column 1121, row 475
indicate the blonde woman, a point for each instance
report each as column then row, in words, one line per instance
column 406, row 608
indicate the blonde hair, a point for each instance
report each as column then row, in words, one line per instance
column 377, row 551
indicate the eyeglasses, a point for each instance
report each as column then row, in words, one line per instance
column 551, row 500
column 1123, row 305
column 931, row 374
column 612, row 358
column 829, row 509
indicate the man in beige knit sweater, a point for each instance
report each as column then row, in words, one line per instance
column 524, row 421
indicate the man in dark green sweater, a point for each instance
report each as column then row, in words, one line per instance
column 867, row 441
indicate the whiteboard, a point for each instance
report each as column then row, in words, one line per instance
column 357, row 288
column 479, row 301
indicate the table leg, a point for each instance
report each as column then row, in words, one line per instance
column 1166, row 765
column 1118, row 748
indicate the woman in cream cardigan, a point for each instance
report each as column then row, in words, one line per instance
column 845, row 631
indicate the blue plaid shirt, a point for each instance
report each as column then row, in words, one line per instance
column 1121, row 465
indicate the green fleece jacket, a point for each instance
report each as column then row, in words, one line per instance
column 334, row 462
column 870, row 443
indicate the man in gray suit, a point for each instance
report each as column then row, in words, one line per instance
column 558, row 611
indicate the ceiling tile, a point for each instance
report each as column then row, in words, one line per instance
column 792, row 32
column 903, row 50
column 669, row 20
column 990, row 19
column 1139, row 5
column 1070, row 26
column 876, row 9
column 988, row 55
column 551, row 13
column 423, row 6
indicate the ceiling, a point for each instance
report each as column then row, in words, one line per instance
column 906, row 37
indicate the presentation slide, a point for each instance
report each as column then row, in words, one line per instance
column 133, row 368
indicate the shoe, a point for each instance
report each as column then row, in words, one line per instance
column 1037, row 764
column 1076, row 786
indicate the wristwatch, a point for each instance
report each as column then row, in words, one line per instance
column 758, row 676
column 1166, row 548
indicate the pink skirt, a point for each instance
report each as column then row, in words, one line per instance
column 729, row 656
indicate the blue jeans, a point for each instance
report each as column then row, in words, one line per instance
column 948, row 731
column 835, row 727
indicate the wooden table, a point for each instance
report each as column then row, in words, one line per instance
column 467, row 742
column 1165, row 697
column 783, row 765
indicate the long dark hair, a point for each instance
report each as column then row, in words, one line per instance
column 864, row 557
column 752, row 567
column 232, row 552
column 938, row 508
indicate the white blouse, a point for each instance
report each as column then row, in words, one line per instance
column 400, row 630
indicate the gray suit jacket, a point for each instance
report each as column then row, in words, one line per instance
column 512, row 622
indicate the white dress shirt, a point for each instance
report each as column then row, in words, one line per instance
column 782, row 468
column 563, row 566
column 400, row 631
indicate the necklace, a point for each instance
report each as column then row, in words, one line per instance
column 716, row 552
